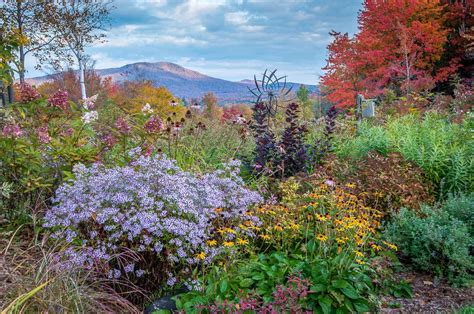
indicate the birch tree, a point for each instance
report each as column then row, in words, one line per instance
column 77, row 25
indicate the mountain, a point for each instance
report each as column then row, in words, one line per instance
column 180, row 81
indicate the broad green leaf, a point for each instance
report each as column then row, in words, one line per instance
column 340, row 283
column 247, row 282
column 223, row 286
column 325, row 303
column 350, row 292
column 319, row 287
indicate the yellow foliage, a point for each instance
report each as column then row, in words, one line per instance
column 132, row 96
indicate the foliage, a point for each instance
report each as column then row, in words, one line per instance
column 439, row 240
column 164, row 216
column 385, row 183
column 76, row 25
column 290, row 154
column 306, row 103
column 441, row 149
column 69, row 80
column 327, row 237
column 39, row 144
column 212, row 110
column 398, row 46
column 132, row 96
column 9, row 43
column 28, row 19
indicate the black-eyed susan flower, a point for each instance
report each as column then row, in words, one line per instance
column 321, row 237
column 242, row 241
column 200, row 256
column 358, row 253
column 211, row 242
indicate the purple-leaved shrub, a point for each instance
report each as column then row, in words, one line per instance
column 165, row 216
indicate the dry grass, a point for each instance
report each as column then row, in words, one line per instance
column 32, row 282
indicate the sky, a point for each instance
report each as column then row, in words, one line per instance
column 228, row 39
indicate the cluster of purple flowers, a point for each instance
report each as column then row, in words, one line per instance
column 151, row 207
column 12, row 130
column 27, row 93
column 122, row 126
column 59, row 99
column 43, row 135
column 154, row 124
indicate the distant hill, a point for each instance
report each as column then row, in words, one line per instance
column 180, row 81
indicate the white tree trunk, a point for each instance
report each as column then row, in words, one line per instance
column 82, row 78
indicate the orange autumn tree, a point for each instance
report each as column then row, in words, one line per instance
column 398, row 47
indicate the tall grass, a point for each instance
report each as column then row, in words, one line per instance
column 35, row 283
column 207, row 149
column 443, row 150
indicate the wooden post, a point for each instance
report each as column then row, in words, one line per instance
column 3, row 101
column 359, row 100
column 11, row 96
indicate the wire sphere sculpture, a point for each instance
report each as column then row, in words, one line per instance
column 270, row 90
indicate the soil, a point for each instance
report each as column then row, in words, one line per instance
column 429, row 296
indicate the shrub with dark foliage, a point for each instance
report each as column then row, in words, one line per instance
column 291, row 154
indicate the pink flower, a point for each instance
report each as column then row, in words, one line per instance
column 59, row 100
column 153, row 125
column 43, row 135
column 122, row 126
column 330, row 182
column 12, row 130
column 110, row 140
column 27, row 92
column 67, row 132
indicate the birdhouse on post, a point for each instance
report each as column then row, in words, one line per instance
column 365, row 108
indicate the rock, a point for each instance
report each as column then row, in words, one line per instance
column 164, row 303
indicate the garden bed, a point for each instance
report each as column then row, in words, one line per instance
column 430, row 295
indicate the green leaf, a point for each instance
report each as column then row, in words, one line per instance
column 258, row 277
column 247, row 282
column 223, row 286
column 350, row 292
column 362, row 307
column 319, row 287
column 325, row 303
column 339, row 284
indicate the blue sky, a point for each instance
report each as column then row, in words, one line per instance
column 226, row 39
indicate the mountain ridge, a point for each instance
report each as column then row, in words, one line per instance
column 181, row 82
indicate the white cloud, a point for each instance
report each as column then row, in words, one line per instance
column 241, row 19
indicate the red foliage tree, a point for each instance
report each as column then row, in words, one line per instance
column 399, row 45
column 343, row 79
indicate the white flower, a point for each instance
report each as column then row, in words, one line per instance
column 240, row 120
column 90, row 102
column 147, row 108
column 89, row 116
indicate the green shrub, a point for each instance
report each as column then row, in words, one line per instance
column 368, row 138
column 443, row 150
column 440, row 240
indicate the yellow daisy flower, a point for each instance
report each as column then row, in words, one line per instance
column 242, row 241
column 321, row 237
column 211, row 242
column 200, row 256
